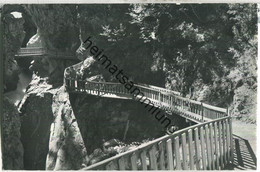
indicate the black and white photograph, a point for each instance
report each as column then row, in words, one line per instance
column 129, row 86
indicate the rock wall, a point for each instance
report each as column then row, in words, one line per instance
column 36, row 120
column 66, row 147
column 50, row 134
column 57, row 28
column 57, row 32
column 13, row 38
column 12, row 154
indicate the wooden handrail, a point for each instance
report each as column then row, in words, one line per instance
column 165, row 99
column 150, row 87
column 158, row 88
column 40, row 51
column 163, row 91
column 211, row 136
column 213, row 132
column 29, row 48
column 212, row 128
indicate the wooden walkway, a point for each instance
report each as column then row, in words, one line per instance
column 168, row 100
column 204, row 146
column 41, row 52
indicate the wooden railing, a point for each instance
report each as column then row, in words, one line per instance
column 39, row 51
column 206, row 146
column 31, row 51
column 168, row 100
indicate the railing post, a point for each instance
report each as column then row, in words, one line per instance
column 98, row 89
column 231, row 141
column 228, row 113
column 202, row 112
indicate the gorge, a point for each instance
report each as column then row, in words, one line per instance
column 51, row 129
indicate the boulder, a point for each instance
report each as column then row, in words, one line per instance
column 66, row 147
column 49, row 131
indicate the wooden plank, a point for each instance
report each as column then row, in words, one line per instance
column 177, row 153
column 202, row 112
column 146, row 146
column 133, row 161
column 228, row 141
column 111, row 166
column 224, row 142
column 212, row 143
column 214, row 108
column 169, row 154
column 121, row 163
column 197, row 149
column 184, row 151
column 153, row 162
column 216, row 145
column 161, row 156
column 71, row 83
column 203, row 153
column 220, row 146
column 143, row 160
column 191, row 150
column 208, row 147
column 231, row 141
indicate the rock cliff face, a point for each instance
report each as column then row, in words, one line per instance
column 13, row 39
column 57, row 28
column 36, row 120
column 49, row 131
column 50, row 134
column 12, row 146
column 66, row 146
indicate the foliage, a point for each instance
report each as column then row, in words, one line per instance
column 205, row 51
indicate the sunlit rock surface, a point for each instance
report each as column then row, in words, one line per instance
column 35, row 41
column 36, row 120
column 66, row 147
column 50, row 134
